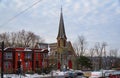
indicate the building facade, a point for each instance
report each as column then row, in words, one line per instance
column 24, row 59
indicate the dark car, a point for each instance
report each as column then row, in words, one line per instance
column 78, row 73
column 69, row 74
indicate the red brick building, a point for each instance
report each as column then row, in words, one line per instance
column 30, row 59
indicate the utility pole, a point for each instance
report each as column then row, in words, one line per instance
column 2, row 60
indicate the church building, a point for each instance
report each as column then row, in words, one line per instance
column 61, row 54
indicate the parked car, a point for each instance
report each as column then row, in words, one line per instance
column 69, row 74
column 78, row 74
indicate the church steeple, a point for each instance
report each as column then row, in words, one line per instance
column 61, row 38
column 61, row 31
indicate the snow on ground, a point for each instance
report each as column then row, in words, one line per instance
column 57, row 74
column 28, row 76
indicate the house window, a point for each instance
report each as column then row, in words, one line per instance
column 28, row 55
column 37, row 64
column 18, row 54
column 26, row 64
column 59, row 43
column 7, row 65
column 41, row 55
column 8, row 55
column 37, row 55
column 45, row 55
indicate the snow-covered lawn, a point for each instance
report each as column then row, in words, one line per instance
column 31, row 76
column 58, row 74
column 26, row 76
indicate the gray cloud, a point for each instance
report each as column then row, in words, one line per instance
column 87, row 17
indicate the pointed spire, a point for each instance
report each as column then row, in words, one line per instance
column 61, row 32
column 61, row 8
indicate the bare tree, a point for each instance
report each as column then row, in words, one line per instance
column 104, row 56
column 98, row 54
column 80, row 46
column 92, row 54
column 5, row 37
column 114, row 52
column 100, row 50
column 114, row 62
column 13, row 38
column 21, row 39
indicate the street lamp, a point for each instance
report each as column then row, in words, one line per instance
column 2, row 67
column 19, row 64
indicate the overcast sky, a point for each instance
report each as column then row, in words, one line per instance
column 97, row 20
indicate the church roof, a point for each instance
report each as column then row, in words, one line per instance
column 53, row 47
column 61, row 31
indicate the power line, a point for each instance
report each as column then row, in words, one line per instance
column 20, row 13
